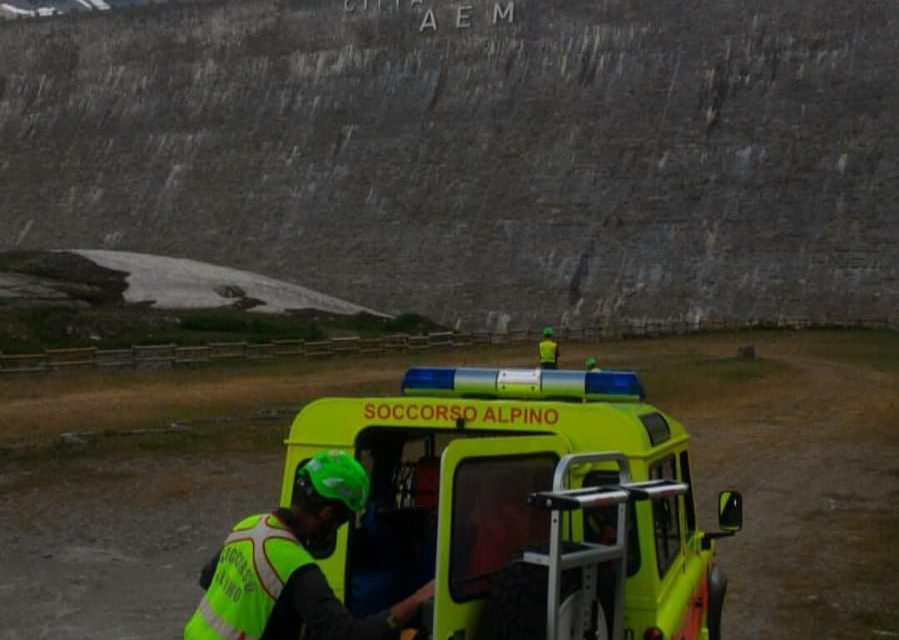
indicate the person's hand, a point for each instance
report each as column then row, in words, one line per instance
column 425, row 592
column 403, row 611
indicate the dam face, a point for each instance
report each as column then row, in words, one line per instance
column 487, row 163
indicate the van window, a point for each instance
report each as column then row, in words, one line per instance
column 665, row 516
column 492, row 521
column 601, row 523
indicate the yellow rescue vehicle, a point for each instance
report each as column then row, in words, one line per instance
column 547, row 504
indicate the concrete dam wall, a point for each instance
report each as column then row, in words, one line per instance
column 487, row 163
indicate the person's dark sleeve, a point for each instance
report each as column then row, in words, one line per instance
column 208, row 571
column 325, row 616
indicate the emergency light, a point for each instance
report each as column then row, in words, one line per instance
column 523, row 383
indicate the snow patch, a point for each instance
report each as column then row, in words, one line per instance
column 178, row 283
column 38, row 11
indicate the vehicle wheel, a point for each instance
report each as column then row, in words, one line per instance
column 717, row 589
column 571, row 619
column 516, row 605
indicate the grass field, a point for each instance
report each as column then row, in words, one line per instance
column 698, row 377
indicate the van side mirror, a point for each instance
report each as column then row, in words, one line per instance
column 730, row 511
column 730, row 518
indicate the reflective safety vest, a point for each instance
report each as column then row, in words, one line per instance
column 548, row 351
column 254, row 565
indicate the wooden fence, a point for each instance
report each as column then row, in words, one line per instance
column 172, row 355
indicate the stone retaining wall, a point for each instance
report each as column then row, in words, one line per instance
column 489, row 165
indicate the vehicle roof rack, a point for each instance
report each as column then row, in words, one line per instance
column 601, row 496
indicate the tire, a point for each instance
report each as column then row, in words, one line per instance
column 717, row 591
column 516, row 605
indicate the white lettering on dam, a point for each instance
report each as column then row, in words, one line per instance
column 431, row 17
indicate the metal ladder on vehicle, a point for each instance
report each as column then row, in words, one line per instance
column 588, row 556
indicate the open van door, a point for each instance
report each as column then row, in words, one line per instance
column 485, row 521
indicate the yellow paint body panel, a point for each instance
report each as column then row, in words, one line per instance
column 651, row 600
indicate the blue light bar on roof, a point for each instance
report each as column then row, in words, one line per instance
column 615, row 384
column 429, row 379
column 523, row 383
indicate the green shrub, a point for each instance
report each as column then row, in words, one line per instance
column 213, row 323
column 406, row 323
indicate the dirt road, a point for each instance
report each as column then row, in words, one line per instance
column 812, row 443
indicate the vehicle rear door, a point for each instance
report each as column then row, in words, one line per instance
column 484, row 520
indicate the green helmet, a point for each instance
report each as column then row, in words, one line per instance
column 547, row 332
column 590, row 363
column 336, row 475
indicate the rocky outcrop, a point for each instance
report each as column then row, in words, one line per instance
column 33, row 279
column 485, row 164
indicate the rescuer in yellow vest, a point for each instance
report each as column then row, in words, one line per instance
column 264, row 583
column 549, row 350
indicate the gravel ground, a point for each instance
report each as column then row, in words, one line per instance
column 111, row 549
column 76, row 564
